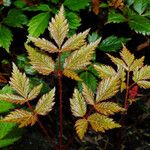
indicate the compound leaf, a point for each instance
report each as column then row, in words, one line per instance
column 35, row 92
column 78, row 105
column 105, row 71
column 88, row 94
column 19, row 82
column 44, row 44
column 107, row 88
column 81, row 58
column 108, row 108
column 40, row 61
column 75, row 42
column 38, row 23
column 45, row 103
column 59, row 27
column 81, row 126
column 24, row 118
column 101, row 122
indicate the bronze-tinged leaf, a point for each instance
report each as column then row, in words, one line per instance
column 101, row 122
column 35, row 92
column 95, row 6
column 118, row 61
column 58, row 27
column 127, row 57
column 46, row 103
column 82, row 57
column 107, row 88
column 44, row 44
column 71, row 74
column 78, row 105
column 116, row 4
column 19, row 82
column 105, row 71
column 3, row 79
column 81, row 126
column 24, row 118
column 75, row 42
column 88, row 94
column 16, row 99
column 40, row 61
column 141, row 74
column 108, row 108
column 137, row 64
column 144, row 84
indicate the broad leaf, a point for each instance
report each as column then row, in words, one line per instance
column 88, row 94
column 44, row 44
column 81, row 126
column 24, row 118
column 38, row 24
column 71, row 74
column 15, row 18
column 105, row 71
column 108, row 108
column 19, row 82
column 139, row 24
column 75, row 42
column 101, row 122
column 40, row 61
column 40, row 7
column 35, row 92
column 5, row 37
column 78, row 105
column 75, row 61
column 115, row 17
column 76, row 5
column 107, row 88
column 46, row 103
column 112, row 43
column 58, row 27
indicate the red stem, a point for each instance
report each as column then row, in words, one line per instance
column 60, row 102
column 40, row 123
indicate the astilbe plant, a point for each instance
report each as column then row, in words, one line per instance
column 99, row 106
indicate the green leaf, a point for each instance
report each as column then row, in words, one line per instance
column 89, row 79
column 19, row 3
column 41, row 7
column 76, row 5
column 5, row 37
column 55, row 1
column 15, row 18
column 112, row 43
column 73, row 20
column 140, row 6
column 139, row 24
column 93, row 37
column 38, row 24
column 130, row 2
column 6, row 106
column 115, row 17
column 146, row 14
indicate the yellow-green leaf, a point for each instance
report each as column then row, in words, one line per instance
column 88, row 94
column 144, row 84
column 75, row 42
column 46, row 103
column 71, row 74
column 35, row 92
column 58, row 27
column 12, row 98
column 108, row 108
column 127, row 57
column 24, row 118
column 44, row 44
column 19, row 82
column 105, row 71
column 101, row 122
column 137, row 64
column 78, row 105
column 107, row 88
column 82, row 57
column 40, row 61
column 81, row 126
